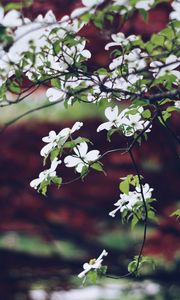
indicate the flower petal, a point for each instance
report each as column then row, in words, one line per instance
column 71, row 161
column 80, row 166
column 46, row 149
column 106, row 126
column 12, row 19
column 54, row 94
column 76, row 126
column 92, row 155
column 81, row 149
column 111, row 113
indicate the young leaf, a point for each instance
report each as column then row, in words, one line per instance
column 97, row 166
column 124, row 187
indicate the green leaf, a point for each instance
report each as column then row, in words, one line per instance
column 124, row 187
column 176, row 213
column 132, row 266
column 97, row 166
column 86, row 17
column 54, row 153
column 158, row 39
column 102, row 71
column 14, row 87
column 55, row 82
column 43, row 187
column 92, row 276
column 134, row 221
column 56, row 47
column 19, row 5
column 102, row 270
column 146, row 114
column 144, row 14
column 152, row 215
column 84, row 171
column 73, row 143
column 57, row 180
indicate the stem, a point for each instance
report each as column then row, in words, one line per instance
column 145, row 209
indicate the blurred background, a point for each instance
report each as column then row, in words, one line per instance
column 45, row 240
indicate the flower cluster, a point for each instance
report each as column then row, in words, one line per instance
column 55, row 144
column 46, row 176
column 175, row 14
column 53, row 52
column 54, row 140
column 119, row 39
column 132, row 199
column 134, row 60
column 161, row 69
column 126, row 6
column 128, row 123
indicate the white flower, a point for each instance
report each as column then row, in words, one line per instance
column 116, row 62
column 125, row 83
column 112, row 115
column 144, row 4
column 88, row 4
column 93, row 264
column 54, row 94
column 175, row 14
column 135, row 60
column 59, row 139
column 131, row 124
column 147, row 191
column 11, row 19
column 177, row 104
column 160, row 69
column 120, row 40
column 46, row 174
column 124, row 3
column 128, row 201
column 125, row 202
column 81, row 158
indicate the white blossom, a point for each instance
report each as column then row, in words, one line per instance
column 125, row 83
column 93, row 264
column 161, row 69
column 177, row 104
column 120, row 40
column 91, row 3
column 128, row 123
column 11, row 19
column 88, row 5
column 54, row 94
column 124, row 3
column 144, row 4
column 57, row 140
column 81, row 158
column 128, row 201
column 135, row 61
column 175, row 14
column 112, row 114
column 46, row 174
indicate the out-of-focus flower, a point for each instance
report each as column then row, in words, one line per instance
column 93, row 264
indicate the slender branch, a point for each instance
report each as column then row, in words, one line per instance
column 6, row 125
column 145, row 209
